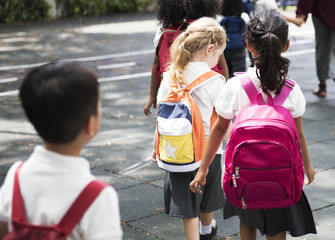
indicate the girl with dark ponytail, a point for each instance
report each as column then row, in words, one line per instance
column 266, row 37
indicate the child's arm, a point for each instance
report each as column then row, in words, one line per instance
column 153, row 88
column 309, row 171
column 223, row 63
column 214, row 142
column 3, row 229
column 297, row 21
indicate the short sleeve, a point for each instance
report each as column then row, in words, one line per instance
column 296, row 102
column 228, row 102
column 163, row 89
column 6, row 194
column 102, row 219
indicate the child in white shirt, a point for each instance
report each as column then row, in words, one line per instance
column 61, row 100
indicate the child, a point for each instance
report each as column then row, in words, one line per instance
column 193, row 53
column 171, row 14
column 266, row 34
column 234, row 26
column 61, row 100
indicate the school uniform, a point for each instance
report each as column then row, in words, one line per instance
column 49, row 184
column 297, row 219
column 178, row 198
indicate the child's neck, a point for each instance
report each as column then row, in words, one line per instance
column 64, row 149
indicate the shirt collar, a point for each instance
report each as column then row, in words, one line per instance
column 44, row 156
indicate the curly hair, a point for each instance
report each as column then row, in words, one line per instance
column 173, row 11
column 267, row 33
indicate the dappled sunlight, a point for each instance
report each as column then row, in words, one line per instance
column 146, row 26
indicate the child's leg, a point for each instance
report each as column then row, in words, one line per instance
column 247, row 233
column 206, row 218
column 191, row 226
column 207, row 223
column 279, row 236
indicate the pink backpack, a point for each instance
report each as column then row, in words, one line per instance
column 263, row 162
column 25, row 230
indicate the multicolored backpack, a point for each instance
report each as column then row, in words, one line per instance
column 263, row 162
column 163, row 49
column 180, row 139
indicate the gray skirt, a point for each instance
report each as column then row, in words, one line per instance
column 181, row 202
column 297, row 220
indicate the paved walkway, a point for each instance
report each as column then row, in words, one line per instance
column 120, row 152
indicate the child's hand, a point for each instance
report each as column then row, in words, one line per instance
column 300, row 19
column 310, row 173
column 147, row 107
column 154, row 156
column 199, row 180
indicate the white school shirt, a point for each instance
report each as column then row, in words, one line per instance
column 49, row 184
column 205, row 96
column 233, row 98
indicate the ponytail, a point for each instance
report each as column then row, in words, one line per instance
column 272, row 67
column 267, row 33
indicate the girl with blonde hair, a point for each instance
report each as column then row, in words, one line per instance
column 193, row 53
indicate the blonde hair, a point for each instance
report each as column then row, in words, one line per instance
column 198, row 35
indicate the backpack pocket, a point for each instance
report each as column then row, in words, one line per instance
column 262, row 175
column 174, row 125
column 262, row 193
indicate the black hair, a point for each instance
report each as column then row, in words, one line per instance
column 267, row 33
column 58, row 99
column 232, row 8
column 170, row 12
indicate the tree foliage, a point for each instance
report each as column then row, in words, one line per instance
column 22, row 10
column 76, row 8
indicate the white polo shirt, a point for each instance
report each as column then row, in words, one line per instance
column 50, row 183
column 233, row 98
column 263, row 5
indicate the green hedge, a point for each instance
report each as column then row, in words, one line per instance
column 77, row 8
column 21, row 10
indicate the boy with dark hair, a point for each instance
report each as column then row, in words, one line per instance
column 61, row 100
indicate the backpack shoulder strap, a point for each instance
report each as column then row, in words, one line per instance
column 18, row 211
column 80, row 205
column 249, row 88
column 285, row 91
column 202, row 79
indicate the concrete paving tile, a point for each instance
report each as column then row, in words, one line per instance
column 162, row 225
column 140, row 202
column 317, row 204
column 315, row 112
column 330, row 103
column 322, row 188
column 131, row 233
column 114, row 157
column 319, row 132
column 117, row 181
column 159, row 183
column 322, row 155
column 148, row 173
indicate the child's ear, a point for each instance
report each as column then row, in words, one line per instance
column 287, row 45
column 89, row 127
column 92, row 126
column 250, row 48
column 210, row 49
